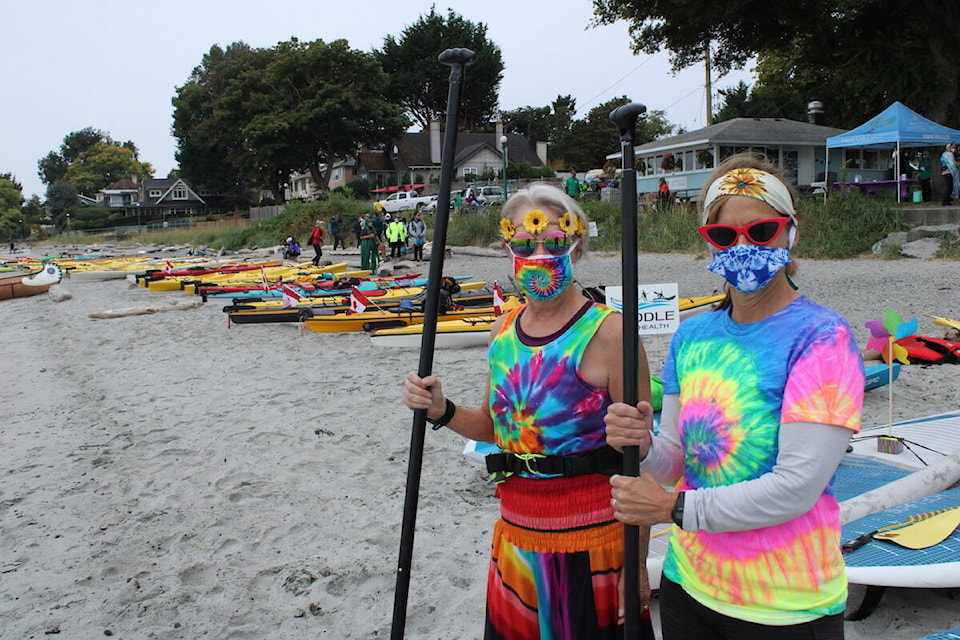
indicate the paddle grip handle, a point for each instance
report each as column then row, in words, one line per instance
column 856, row 543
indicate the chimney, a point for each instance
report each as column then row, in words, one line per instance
column 815, row 112
column 542, row 151
column 499, row 135
column 435, row 141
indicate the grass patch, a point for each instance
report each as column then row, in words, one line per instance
column 846, row 225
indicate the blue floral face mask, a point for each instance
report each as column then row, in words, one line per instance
column 749, row 267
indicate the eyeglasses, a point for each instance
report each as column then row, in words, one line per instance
column 557, row 244
column 761, row 232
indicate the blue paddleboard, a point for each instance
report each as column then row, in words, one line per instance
column 887, row 564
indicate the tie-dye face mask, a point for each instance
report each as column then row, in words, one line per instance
column 543, row 277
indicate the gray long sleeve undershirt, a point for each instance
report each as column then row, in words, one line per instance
column 808, row 457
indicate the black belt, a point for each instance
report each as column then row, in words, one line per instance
column 605, row 460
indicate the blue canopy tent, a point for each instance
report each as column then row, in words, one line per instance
column 898, row 127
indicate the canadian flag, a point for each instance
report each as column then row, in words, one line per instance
column 290, row 296
column 498, row 300
column 169, row 268
column 264, row 280
column 358, row 301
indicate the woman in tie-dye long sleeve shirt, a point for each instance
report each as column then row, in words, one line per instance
column 760, row 400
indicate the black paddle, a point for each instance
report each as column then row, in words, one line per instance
column 625, row 118
column 457, row 60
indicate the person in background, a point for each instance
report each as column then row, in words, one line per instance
column 663, row 193
column 417, row 231
column 357, row 228
column 948, row 169
column 555, row 365
column 395, row 231
column 369, row 245
column 921, row 165
column 292, row 250
column 571, row 185
column 316, row 241
column 336, row 231
column 760, row 400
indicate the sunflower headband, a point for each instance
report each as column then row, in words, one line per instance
column 752, row 183
column 536, row 221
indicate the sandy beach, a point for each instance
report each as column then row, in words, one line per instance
column 167, row 477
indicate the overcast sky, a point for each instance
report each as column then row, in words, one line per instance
column 114, row 65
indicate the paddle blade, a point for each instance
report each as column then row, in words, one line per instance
column 946, row 322
column 931, row 529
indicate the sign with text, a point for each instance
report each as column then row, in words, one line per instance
column 658, row 307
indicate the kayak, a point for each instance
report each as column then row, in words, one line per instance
column 32, row 285
column 257, row 314
column 372, row 320
column 474, row 331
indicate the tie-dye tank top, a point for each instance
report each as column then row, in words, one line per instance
column 538, row 400
column 737, row 384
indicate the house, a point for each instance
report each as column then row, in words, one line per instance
column 419, row 154
column 687, row 160
column 119, row 194
column 415, row 157
column 162, row 198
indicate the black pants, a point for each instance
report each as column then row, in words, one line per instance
column 417, row 251
column 947, row 189
column 683, row 618
column 319, row 253
column 395, row 249
column 338, row 240
column 925, row 189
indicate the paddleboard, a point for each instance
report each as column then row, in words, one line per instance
column 886, row 564
column 878, row 375
column 951, row 634
column 926, row 440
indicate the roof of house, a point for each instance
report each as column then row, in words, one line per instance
column 749, row 131
column 124, row 184
column 376, row 161
column 165, row 186
column 415, row 148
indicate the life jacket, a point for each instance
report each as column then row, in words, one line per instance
column 927, row 350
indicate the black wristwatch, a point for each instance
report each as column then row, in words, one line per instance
column 447, row 416
column 677, row 513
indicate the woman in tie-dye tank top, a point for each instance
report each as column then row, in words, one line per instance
column 760, row 400
column 555, row 367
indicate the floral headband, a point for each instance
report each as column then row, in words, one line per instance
column 536, row 221
column 752, row 183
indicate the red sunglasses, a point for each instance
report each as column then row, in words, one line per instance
column 761, row 232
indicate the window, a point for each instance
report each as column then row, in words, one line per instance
column 338, row 173
column 155, row 193
column 470, row 171
column 180, row 192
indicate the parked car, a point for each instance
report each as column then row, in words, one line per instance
column 432, row 205
column 405, row 201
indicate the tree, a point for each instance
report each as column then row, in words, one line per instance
column 11, row 197
column 860, row 55
column 763, row 101
column 255, row 116
column 102, row 164
column 419, row 84
column 590, row 140
column 542, row 123
column 90, row 159
column 61, row 200
column 207, row 126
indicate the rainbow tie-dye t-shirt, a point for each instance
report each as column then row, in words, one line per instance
column 538, row 400
column 737, row 384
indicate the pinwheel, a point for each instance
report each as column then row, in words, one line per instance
column 884, row 334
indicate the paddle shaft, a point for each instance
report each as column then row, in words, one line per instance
column 625, row 118
column 457, row 60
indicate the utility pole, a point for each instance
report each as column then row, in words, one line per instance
column 709, row 85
